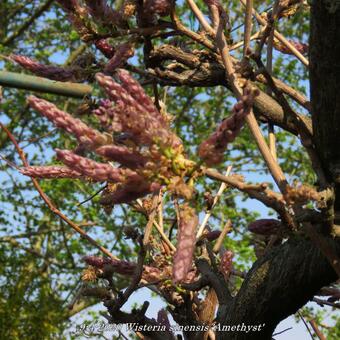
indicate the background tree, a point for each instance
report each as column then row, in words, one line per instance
column 182, row 59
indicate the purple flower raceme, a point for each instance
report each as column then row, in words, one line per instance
column 135, row 118
column 107, row 114
column 99, row 172
column 122, row 54
column 129, row 192
column 105, row 47
column 266, row 226
column 86, row 135
column 68, row 5
column 150, row 154
column 123, row 155
column 102, row 12
column 150, row 273
column 226, row 264
column 212, row 149
column 46, row 71
column 119, row 266
column 50, row 172
column 301, row 47
column 186, row 237
column 137, row 92
column 159, row 7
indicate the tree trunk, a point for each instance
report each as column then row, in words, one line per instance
column 290, row 275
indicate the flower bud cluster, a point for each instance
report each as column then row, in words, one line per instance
column 226, row 264
column 212, row 149
column 149, row 153
column 105, row 47
column 46, row 71
column 159, row 7
column 120, row 57
column 50, row 172
column 301, row 47
column 186, row 238
column 84, row 134
column 267, row 226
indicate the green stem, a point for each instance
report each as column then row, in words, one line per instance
column 32, row 83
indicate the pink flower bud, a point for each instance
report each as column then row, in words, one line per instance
column 72, row 125
column 122, row 54
column 160, row 7
column 264, row 226
column 50, row 172
column 46, row 71
column 96, row 171
column 301, row 47
column 138, row 93
column 102, row 12
column 118, row 266
column 122, row 155
column 128, row 192
column 186, row 238
column 104, row 47
column 213, row 235
column 227, row 263
column 162, row 319
column 212, row 149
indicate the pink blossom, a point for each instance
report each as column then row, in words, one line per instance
column 122, row 154
column 64, row 120
column 119, row 266
column 227, row 262
column 212, row 149
column 104, row 46
column 266, row 226
column 128, row 192
column 122, row 54
column 46, row 71
column 96, row 171
column 186, row 238
column 50, row 172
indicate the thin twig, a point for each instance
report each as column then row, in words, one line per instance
column 135, row 279
column 49, row 203
column 92, row 196
column 273, row 166
column 43, row 8
column 305, row 323
column 227, row 227
column 248, row 26
column 200, row 17
column 160, row 230
column 280, row 37
column 152, row 215
column 223, row 186
column 327, row 303
column 317, row 330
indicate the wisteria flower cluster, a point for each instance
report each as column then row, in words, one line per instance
column 48, row 71
column 149, row 153
column 212, row 149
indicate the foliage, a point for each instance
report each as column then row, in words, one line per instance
column 41, row 255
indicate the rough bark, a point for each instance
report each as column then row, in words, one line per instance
column 325, row 85
column 204, row 72
column 287, row 278
column 277, row 286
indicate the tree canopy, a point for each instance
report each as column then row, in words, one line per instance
column 186, row 148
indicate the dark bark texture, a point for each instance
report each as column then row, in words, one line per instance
column 287, row 278
column 325, row 84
